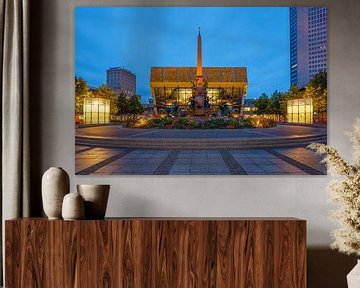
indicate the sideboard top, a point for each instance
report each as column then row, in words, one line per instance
column 174, row 219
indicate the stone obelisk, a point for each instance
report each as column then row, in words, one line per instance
column 199, row 93
column 199, row 70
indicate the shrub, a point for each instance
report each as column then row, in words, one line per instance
column 191, row 123
column 261, row 122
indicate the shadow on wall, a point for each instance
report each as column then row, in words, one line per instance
column 37, row 39
column 328, row 268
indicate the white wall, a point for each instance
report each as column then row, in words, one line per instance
column 300, row 196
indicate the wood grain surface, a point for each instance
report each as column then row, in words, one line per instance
column 161, row 252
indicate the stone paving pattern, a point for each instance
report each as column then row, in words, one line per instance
column 279, row 131
column 107, row 161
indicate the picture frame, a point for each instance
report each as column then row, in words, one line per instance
column 196, row 98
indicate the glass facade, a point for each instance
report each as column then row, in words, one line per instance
column 175, row 86
column 300, row 111
column 293, row 46
column 121, row 80
column 317, row 23
column 96, row 111
column 308, row 43
column 165, row 97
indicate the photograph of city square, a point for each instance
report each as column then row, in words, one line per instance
column 200, row 90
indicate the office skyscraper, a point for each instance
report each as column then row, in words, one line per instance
column 308, row 43
column 121, row 80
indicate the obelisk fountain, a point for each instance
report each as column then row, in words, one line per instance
column 199, row 101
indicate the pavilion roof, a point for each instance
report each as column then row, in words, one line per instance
column 187, row 74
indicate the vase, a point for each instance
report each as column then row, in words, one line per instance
column 96, row 198
column 55, row 185
column 73, row 207
column 353, row 278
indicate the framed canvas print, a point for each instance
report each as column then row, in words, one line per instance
column 200, row 90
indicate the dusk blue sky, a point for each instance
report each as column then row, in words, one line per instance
column 141, row 37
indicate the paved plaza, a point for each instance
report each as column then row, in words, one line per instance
column 102, row 151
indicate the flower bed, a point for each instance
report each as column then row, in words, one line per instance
column 193, row 123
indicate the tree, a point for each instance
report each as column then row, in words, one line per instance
column 317, row 91
column 278, row 104
column 122, row 104
column 295, row 93
column 106, row 92
column 283, row 103
column 81, row 91
column 319, row 80
column 274, row 103
column 135, row 106
column 262, row 104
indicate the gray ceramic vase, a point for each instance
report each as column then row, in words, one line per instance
column 73, row 207
column 96, row 198
column 55, row 185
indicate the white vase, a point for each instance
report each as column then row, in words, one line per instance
column 73, row 207
column 95, row 197
column 353, row 278
column 55, row 185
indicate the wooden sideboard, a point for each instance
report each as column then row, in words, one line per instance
column 156, row 252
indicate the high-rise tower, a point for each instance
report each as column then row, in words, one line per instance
column 308, row 43
column 121, row 80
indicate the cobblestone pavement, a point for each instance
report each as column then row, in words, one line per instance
column 124, row 161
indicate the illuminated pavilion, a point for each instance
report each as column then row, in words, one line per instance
column 175, row 85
